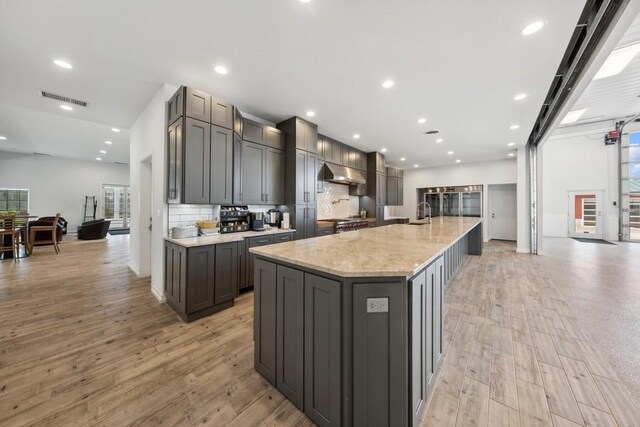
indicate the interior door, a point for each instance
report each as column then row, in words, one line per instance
column 502, row 203
column 585, row 214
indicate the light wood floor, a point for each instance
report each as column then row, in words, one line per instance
column 83, row 342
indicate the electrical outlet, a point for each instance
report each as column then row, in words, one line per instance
column 377, row 305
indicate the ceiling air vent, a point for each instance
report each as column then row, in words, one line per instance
column 50, row 95
column 35, row 153
column 431, row 132
column 120, row 163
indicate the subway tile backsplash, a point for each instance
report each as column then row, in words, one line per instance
column 184, row 215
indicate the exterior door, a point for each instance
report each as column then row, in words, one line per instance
column 502, row 222
column 585, row 214
column 116, row 205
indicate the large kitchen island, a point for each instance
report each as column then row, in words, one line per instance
column 349, row 326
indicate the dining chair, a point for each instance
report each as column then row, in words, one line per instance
column 8, row 229
column 44, row 228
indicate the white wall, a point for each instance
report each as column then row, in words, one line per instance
column 59, row 185
column 147, row 143
column 578, row 162
column 481, row 173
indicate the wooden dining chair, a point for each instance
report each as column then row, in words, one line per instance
column 8, row 229
column 45, row 228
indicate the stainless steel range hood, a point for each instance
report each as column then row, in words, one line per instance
column 342, row 175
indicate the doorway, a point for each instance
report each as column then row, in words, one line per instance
column 116, row 205
column 585, row 214
column 502, row 212
column 143, row 222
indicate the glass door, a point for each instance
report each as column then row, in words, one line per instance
column 433, row 200
column 585, row 214
column 451, row 204
column 117, row 205
column 630, row 196
column 472, row 204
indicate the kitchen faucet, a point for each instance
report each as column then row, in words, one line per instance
column 421, row 212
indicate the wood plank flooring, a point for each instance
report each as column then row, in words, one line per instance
column 83, row 342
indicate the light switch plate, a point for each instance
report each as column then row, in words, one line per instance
column 377, row 305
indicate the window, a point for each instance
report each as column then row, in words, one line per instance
column 631, row 188
column 12, row 199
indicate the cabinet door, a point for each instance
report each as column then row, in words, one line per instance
column 400, row 195
column 253, row 173
column 438, row 293
column 311, row 177
column 174, row 175
column 237, row 121
column 300, row 216
column 200, row 278
column 264, row 325
column 320, row 146
column 274, row 182
column 392, row 190
column 251, row 258
column 290, row 334
column 275, row 137
column 380, row 167
column 311, row 222
column 337, row 153
column 381, row 189
column 363, row 161
column 175, row 276
column 301, row 190
column 197, row 152
column 175, row 106
column 237, row 169
column 198, row 105
column 322, row 350
column 226, row 272
column 379, row 215
column 242, row 265
column 254, row 132
column 221, row 166
column 429, row 325
column 418, row 346
column 311, row 138
column 221, row 113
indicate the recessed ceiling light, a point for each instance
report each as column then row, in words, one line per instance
column 115, row 129
column 511, row 144
column 520, row 97
column 572, row 116
column 356, row 136
column 220, row 69
column 415, row 166
column 617, row 61
column 108, row 142
column 3, row 138
column 422, row 120
column 383, row 150
column 514, row 127
column 305, row 1
column 63, row 64
column 103, row 152
column 534, row 27
column 66, row 107
column 388, row 84
column 458, row 160
column 402, row 159
column 439, row 140
column 450, row 152
column 510, row 154
column 311, row 113
column 98, row 158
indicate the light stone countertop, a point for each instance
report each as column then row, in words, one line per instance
column 399, row 250
column 192, row 242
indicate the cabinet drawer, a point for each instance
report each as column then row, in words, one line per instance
column 282, row 237
column 260, row 241
column 327, row 231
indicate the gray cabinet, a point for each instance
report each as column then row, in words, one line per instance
column 251, row 258
column 323, row 351
column 175, row 276
column 197, row 152
column 395, row 187
column 274, row 177
column 306, row 175
column 237, row 121
column 381, row 189
column 175, row 162
column 221, row 164
column 290, row 334
column 263, row 134
column 226, row 272
column 438, row 303
column 306, row 221
column 254, row 161
column 376, row 187
column 197, row 104
column 221, row 113
column 200, row 274
column 243, row 281
column 300, row 134
column 325, row 231
column 418, row 346
column 264, row 312
column 237, row 169
column 275, row 138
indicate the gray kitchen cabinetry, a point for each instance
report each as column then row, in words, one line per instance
column 395, row 187
column 237, row 169
column 263, row 134
column 221, row 166
column 333, row 151
column 196, row 167
column 306, row 221
column 195, row 104
column 306, row 175
column 200, row 280
column 274, row 177
column 222, row 113
column 251, row 242
column 262, row 175
column 175, row 161
column 300, row 134
column 376, row 187
column 237, row 121
column 264, row 314
column 324, row 231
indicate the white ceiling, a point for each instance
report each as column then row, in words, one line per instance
column 459, row 64
column 616, row 96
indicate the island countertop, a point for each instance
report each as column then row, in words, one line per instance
column 388, row 251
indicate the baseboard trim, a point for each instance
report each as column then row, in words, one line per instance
column 133, row 268
column 160, row 298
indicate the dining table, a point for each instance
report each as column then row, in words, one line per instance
column 22, row 252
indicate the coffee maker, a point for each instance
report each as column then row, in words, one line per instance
column 257, row 221
column 234, row 219
column 273, row 218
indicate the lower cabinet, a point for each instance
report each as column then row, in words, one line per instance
column 325, row 231
column 251, row 242
column 306, row 221
column 201, row 280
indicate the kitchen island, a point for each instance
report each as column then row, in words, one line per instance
column 349, row 326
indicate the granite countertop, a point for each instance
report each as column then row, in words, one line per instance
column 191, row 242
column 398, row 250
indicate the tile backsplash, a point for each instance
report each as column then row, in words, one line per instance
column 183, row 215
column 344, row 205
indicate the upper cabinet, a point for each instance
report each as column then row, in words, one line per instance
column 300, row 134
column 221, row 113
column 195, row 104
column 262, row 175
column 237, row 121
column 395, row 186
column 262, row 134
column 333, row 151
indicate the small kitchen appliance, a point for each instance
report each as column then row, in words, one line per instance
column 234, row 219
column 257, row 221
column 272, row 218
